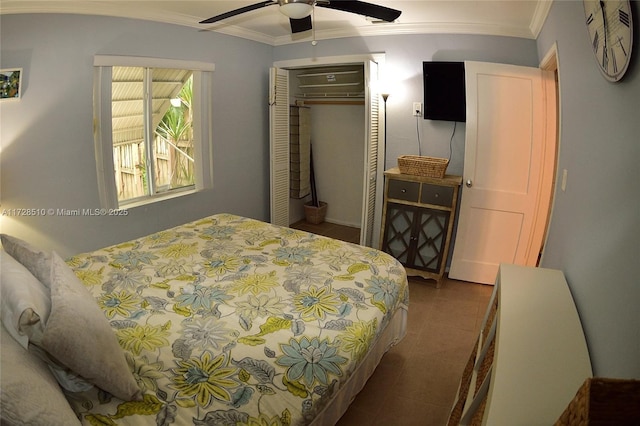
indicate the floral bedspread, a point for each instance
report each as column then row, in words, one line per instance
column 229, row 320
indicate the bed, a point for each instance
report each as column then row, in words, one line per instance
column 223, row 321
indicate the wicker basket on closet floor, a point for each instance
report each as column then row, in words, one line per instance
column 418, row 165
column 315, row 214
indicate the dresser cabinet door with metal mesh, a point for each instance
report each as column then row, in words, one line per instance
column 417, row 221
column 416, row 236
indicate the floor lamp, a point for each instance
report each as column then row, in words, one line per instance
column 385, row 96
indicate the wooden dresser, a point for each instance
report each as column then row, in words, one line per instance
column 417, row 221
column 530, row 357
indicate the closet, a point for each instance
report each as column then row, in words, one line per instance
column 344, row 111
column 331, row 101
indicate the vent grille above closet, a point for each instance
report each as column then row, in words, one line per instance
column 335, row 82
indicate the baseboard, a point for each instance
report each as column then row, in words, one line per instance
column 340, row 222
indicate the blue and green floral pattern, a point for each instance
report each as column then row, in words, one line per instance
column 232, row 321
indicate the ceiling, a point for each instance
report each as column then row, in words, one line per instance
column 514, row 18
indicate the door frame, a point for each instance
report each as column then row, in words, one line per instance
column 379, row 58
column 551, row 62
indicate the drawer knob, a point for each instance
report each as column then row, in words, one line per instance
column 469, row 183
column 404, row 191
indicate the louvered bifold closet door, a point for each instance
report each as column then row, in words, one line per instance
column 279, row 145
column 371, row 146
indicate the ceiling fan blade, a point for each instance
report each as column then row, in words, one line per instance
column 238, row 11
column 300, row 25
column 363, row 8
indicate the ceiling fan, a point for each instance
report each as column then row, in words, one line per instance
column 299, row 11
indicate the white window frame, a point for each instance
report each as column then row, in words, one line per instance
column 103, row 138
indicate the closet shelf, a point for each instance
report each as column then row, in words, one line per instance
column 331, row 83
column 359, row 95
column 324, row 74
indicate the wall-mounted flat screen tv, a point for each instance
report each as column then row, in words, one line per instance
column 444, row 91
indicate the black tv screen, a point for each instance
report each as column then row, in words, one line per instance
column 444, row 91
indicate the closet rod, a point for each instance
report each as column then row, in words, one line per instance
column 312, row 102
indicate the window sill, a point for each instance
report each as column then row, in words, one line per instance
column 157, row 198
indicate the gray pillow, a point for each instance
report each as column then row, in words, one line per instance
column 35, row 260
column 79, row 336
column 25, row 302
column 30, row 394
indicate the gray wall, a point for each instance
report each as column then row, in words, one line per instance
column 47, row 144
column 404, row 56
column 338, row 160
column 47, row 141
column 595, row 229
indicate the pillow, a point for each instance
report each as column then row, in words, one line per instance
column 78, row 335
column 30, row 394
column 36, row 261
column 25, row 305
column 24, row 310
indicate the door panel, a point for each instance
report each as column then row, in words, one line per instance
column 279, row 145
column 506, row 138
column 491, row 225
column 372, row 113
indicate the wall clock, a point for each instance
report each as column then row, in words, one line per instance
column 610, row 25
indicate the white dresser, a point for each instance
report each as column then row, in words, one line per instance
column 531, row 356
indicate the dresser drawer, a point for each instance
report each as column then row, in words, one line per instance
column 436, row 194
column 403, row 190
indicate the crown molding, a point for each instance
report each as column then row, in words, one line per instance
column 105, row 8
column 540, row 16
column 97, row 8
column 243, row 33
column 405, row 29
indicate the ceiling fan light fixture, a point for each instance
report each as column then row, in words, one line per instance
column 296, row 10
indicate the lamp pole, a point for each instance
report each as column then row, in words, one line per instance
column 385, row 96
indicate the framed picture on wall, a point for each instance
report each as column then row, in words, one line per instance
column 10, row 83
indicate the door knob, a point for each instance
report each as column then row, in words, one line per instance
column 469, row 183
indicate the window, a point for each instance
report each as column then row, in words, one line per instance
column 151, row 140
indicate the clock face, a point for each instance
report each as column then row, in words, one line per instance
column 610, row 26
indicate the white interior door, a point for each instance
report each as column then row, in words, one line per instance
column 372, row 117
column 505, row 183
column 279, row 145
